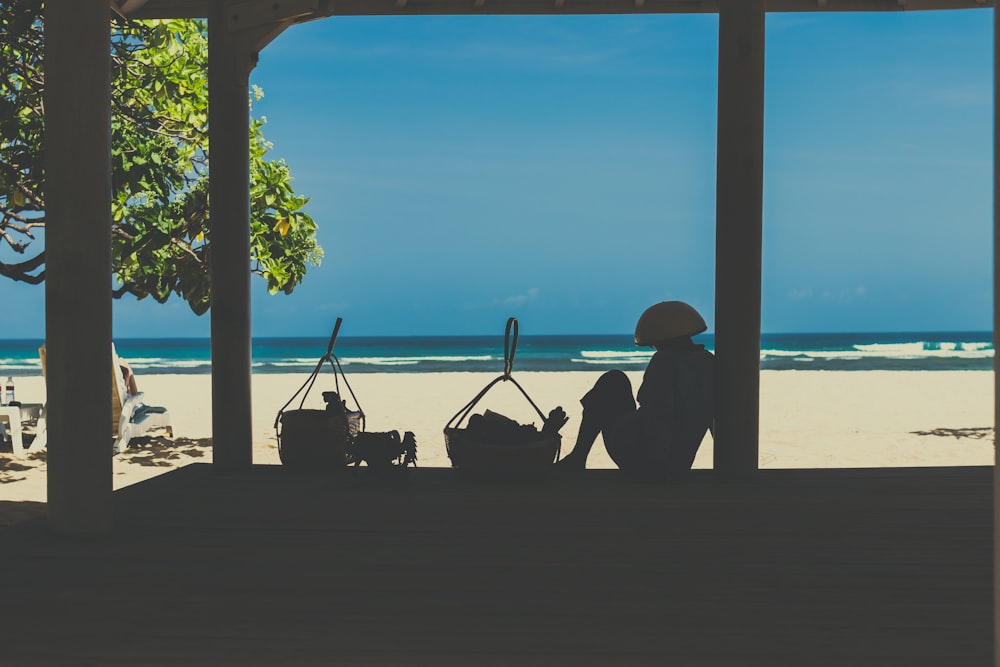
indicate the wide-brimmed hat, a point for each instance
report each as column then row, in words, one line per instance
column 666, row 320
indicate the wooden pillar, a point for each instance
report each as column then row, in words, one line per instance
column 996, row 329
column 78, row 264
column 738, row 234
column 229, row 191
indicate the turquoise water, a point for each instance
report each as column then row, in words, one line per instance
column 841, row 351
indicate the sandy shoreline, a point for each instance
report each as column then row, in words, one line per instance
column 807, row 418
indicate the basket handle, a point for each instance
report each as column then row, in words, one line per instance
column 509, row 346
column 333, row 338
column 308, row 383
column 509, row 349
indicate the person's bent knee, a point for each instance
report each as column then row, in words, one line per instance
column 610, row 399
column 614, row 382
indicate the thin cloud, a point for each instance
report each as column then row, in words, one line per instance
column 800, row 294
column 521, row 299
column 844, row 296
column 967, row 95
column 946, row 94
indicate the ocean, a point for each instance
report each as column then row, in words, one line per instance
column 422, row 354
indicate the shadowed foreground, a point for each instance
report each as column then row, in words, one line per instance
column 261, row 567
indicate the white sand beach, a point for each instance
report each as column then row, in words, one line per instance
column 821, row 419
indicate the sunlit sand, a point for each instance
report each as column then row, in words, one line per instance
column 808, row 419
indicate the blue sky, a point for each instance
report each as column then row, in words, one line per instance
column 562, row 170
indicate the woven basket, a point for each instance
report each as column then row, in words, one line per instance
column 318, row 439
column 472, row 455
column 517, row 458
column 312, row 439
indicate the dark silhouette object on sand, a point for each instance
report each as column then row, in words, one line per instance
column 975, row 433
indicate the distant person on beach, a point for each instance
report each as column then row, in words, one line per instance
column 131, row 388
column 676, row 399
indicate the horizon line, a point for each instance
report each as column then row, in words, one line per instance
column 537, row 335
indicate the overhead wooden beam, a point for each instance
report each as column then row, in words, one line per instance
column 254, row 14
column 200, row 8
column 127, row 8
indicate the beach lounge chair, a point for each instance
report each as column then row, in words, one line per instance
column 131, row 418
column 10, row 426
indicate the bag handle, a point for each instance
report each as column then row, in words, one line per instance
column 509, row 350
column 311, row 380
column 509, row 346
column 333, row 338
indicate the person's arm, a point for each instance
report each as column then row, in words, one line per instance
column 656, row 404
column 131, row 388
column 657, row 387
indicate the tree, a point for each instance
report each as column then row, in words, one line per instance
column 161, row 242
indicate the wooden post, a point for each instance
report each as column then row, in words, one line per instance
column 78, row 264
column 229, row 191
column 738, row 234
column 996, row 329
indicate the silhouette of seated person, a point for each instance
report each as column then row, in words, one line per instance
column 676, row 400
column 131, row 388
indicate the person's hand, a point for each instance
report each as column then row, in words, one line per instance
column 555, row 421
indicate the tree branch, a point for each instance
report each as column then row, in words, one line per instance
column 21, row 271
column 25, row 229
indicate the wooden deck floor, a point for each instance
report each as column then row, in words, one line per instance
column 797, row 567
